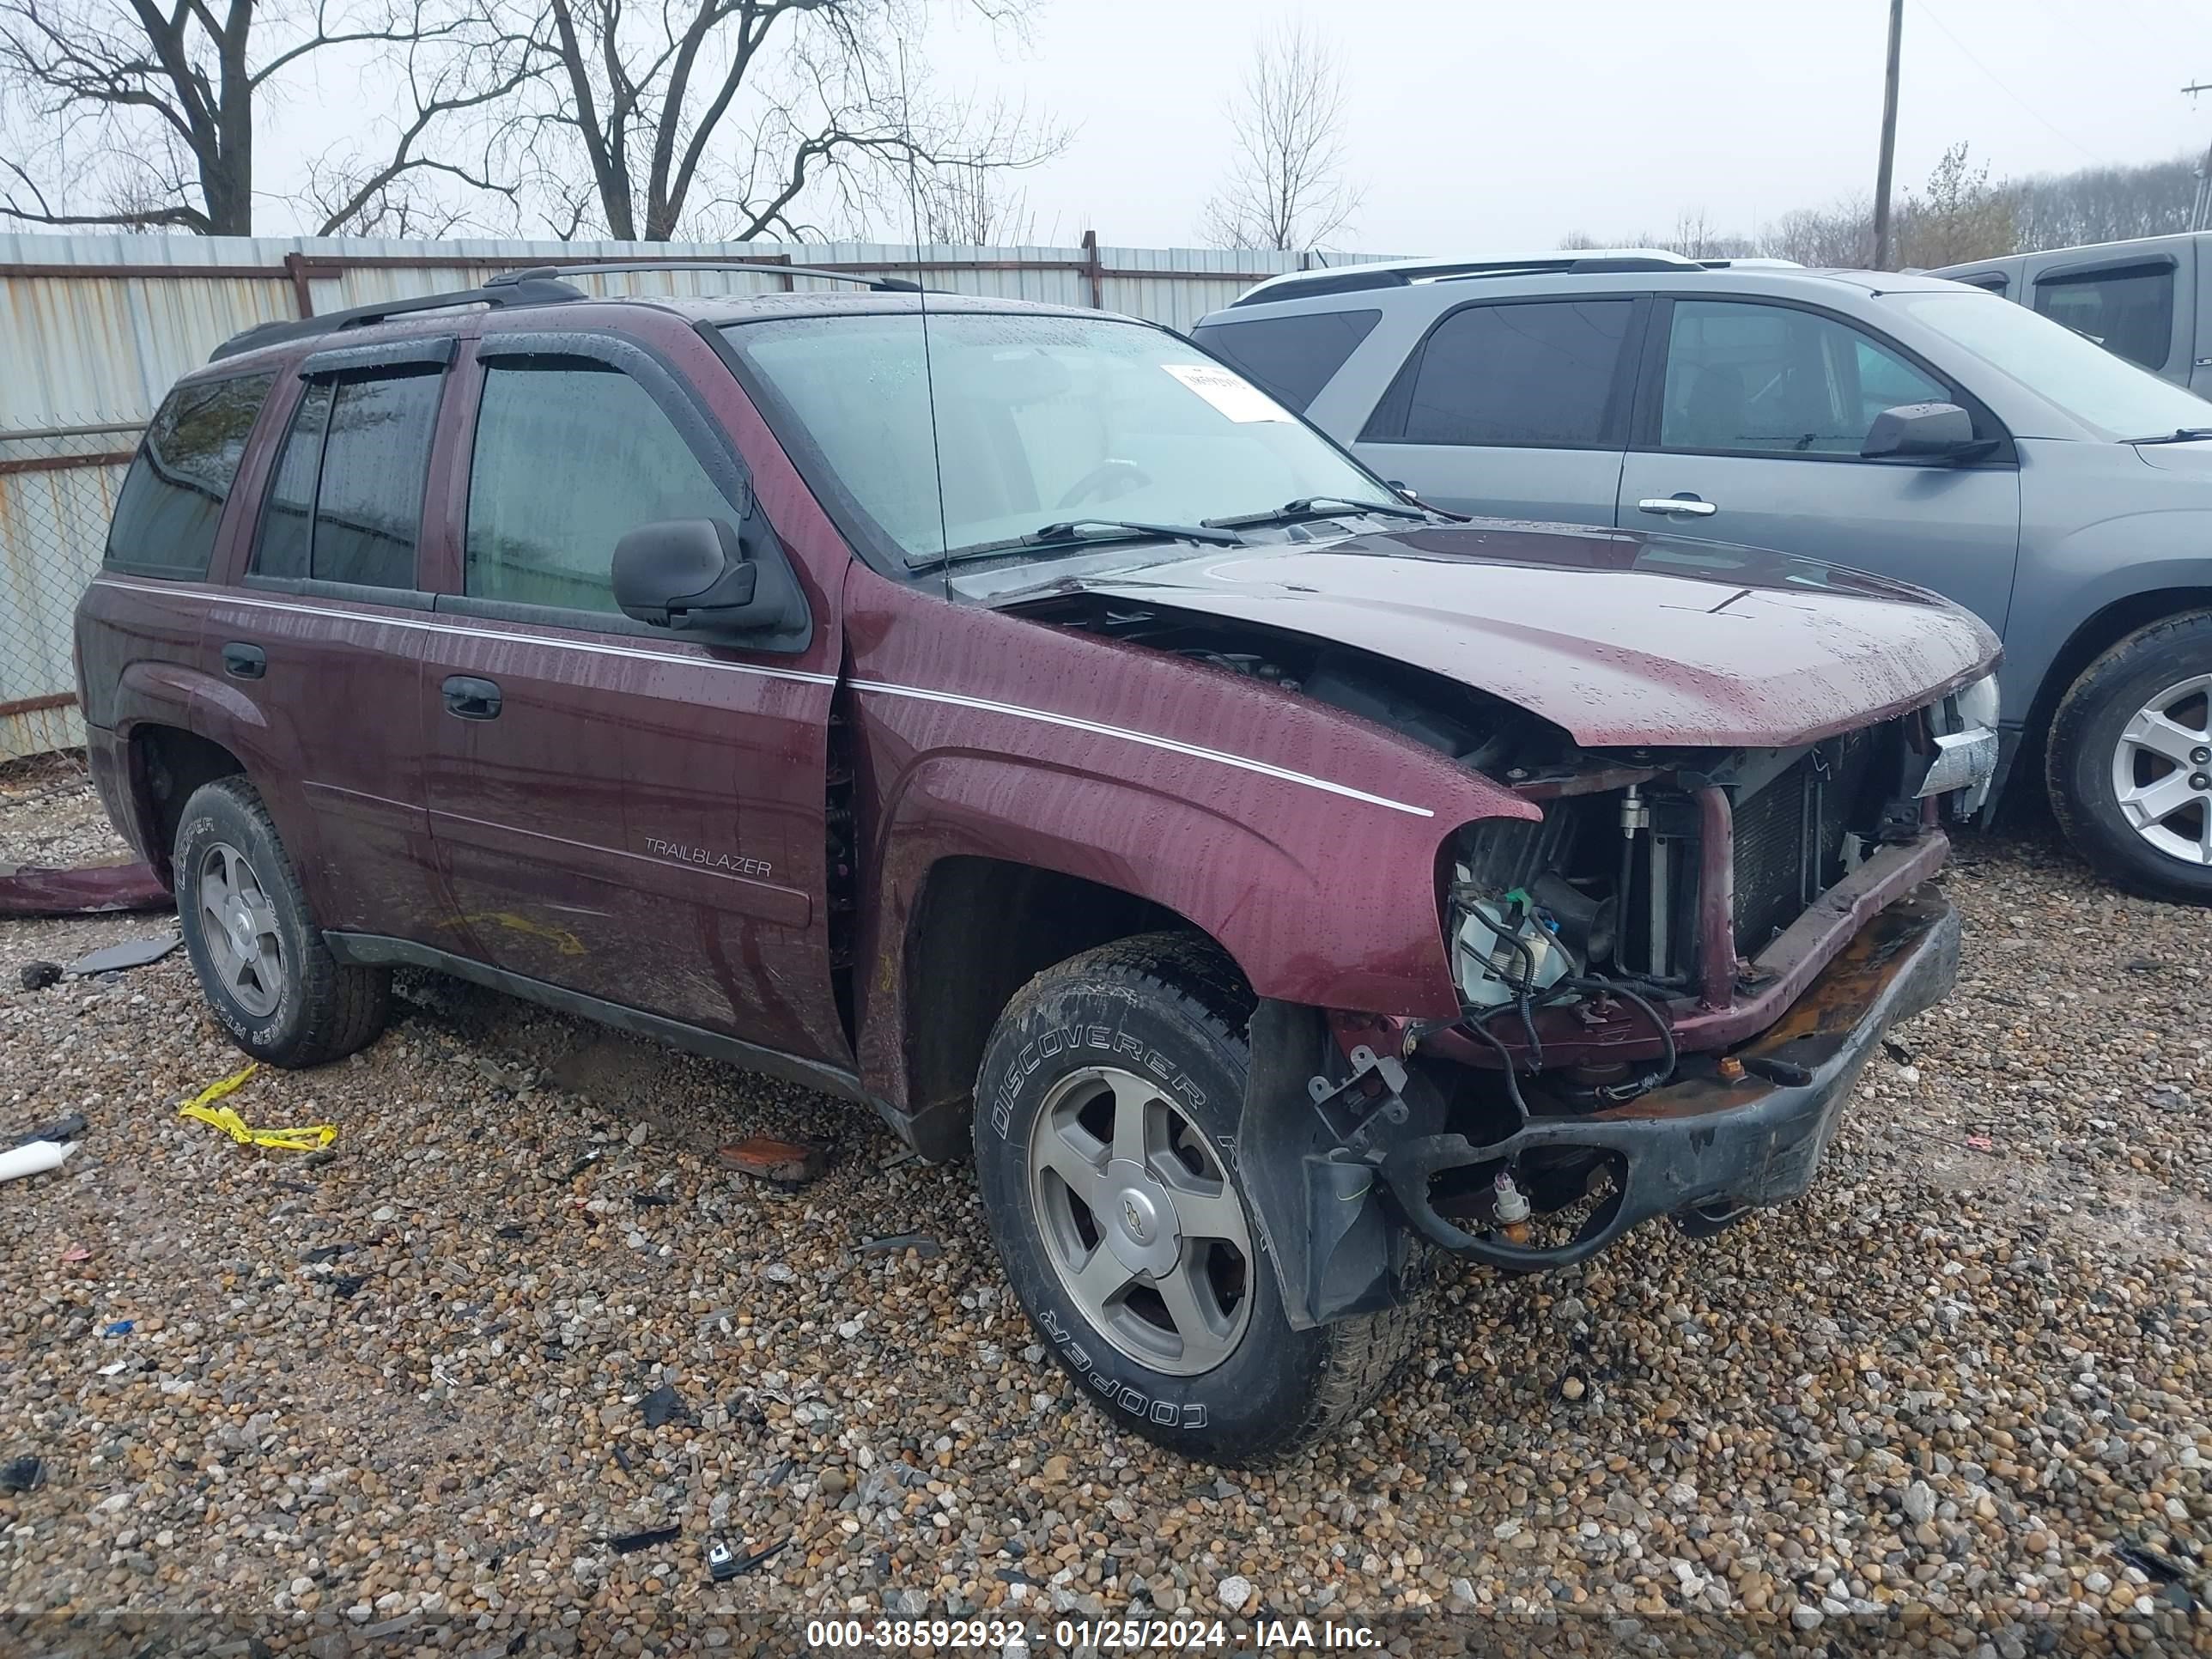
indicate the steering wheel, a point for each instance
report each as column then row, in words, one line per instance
column 1097, row 482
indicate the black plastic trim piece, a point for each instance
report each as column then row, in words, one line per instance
column 534, row 292
column 555, row 616
column 2145, row 264
column 307, row 587
column 432, row 353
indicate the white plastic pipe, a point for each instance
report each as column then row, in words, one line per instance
column 34, row 1157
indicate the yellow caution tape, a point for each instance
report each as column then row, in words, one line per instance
column 201, row 1106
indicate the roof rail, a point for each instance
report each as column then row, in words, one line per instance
column 498, row 292
column 880, row 284
column 535, row 285
column 1399, row 273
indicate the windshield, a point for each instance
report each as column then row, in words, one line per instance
column 1041, row 420
column 2068, row 369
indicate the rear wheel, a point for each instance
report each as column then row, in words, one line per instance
column 253, row 942
column 2130, row 764
column 1106, row 1121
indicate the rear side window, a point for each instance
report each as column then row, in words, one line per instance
column 2128, row 310
column 1292, row 358
column 570, row 457
column 346, row 503
column 1539, row 376
column 171, row 498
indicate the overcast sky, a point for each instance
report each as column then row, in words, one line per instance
column 1478, row 126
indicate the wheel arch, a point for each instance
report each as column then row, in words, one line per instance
column 166, row 764
column 2095, row 635
column 980, row 928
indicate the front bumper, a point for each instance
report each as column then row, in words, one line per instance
column 1709, row 1144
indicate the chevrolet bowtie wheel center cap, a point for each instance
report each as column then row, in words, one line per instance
column 1140, row 1219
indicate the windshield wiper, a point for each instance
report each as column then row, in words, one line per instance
column 2180, row 435
column 1311, row 506
column 1076, row 532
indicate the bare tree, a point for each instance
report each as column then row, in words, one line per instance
column 412, row 177
column 2105, row 204
column 737, row 119
column 146, row 112
column 1286, row 186
column 971, row 207
column 1837, row 237
column 1960, row 216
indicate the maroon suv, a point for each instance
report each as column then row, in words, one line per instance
column 1008, row 718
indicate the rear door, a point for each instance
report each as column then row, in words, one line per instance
column 322, row 635
column 1513, row 408
column 1749, row 429
column 621, row 814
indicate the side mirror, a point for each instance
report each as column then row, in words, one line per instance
column 1927, row 432
column 692, row 574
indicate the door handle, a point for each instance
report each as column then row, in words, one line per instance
column 472, row 699
column 242, row 661
column 1686, row 504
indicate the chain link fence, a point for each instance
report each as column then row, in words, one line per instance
column 57, row 486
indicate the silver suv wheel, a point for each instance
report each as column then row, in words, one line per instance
column 239, row 926
column 2162, row 771
column 1140, row 1223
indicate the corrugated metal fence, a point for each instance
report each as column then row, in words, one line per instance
column 93, row 330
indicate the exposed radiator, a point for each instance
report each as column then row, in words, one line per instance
column 1789, row 838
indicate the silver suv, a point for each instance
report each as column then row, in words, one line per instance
column 1905, row 424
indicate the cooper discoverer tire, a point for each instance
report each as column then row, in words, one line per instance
column 1144, row 1274
column 253, row 942
column 2128, row 766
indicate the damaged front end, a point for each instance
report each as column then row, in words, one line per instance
column 1667, row 986
column 1667, row 978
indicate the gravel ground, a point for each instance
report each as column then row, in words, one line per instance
column 1957, row 1395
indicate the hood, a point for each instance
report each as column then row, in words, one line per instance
column 1626, row 640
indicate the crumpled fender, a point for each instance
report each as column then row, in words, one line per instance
column 1303, row 840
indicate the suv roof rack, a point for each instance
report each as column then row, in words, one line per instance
column 1403, row 273
column 880, row 284
column 498, row 292
column 533, row 285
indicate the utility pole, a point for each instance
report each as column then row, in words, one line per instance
column 2198, row 208
column 1884, row 166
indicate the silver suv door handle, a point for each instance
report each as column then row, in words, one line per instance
column 1688, row 505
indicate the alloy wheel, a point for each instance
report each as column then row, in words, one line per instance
column 1140, row 1222
column 2162, row 771
column 239, row 925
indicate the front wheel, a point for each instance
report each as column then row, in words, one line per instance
column 2129, row 764
column 1105, row 1134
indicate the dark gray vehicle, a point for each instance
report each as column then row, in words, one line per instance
column 1904, row 423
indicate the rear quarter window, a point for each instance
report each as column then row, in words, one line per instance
column 1292, row 358
column 171, row 498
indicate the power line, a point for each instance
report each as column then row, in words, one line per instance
column 1964, row 52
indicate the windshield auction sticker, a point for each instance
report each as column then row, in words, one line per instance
column 1239, row 399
